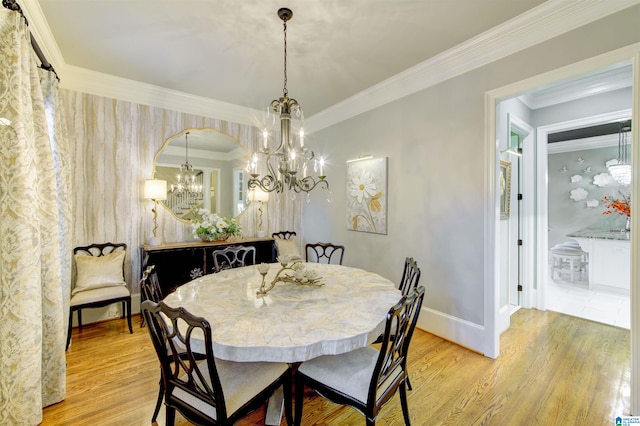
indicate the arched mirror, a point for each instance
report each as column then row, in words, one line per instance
column 204, row 168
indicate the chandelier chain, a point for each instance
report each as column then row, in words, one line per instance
column 285, row 91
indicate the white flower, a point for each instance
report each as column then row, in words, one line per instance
column 576, row 178
column 362, row 186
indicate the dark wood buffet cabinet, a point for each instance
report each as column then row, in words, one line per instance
column 179, row 263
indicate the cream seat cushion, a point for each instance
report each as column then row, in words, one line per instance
column 357, row 365
column 99, row 294
column 99, row 271
column 240, row 382
column 288, row 247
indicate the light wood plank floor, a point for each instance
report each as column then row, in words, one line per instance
column 553, row 370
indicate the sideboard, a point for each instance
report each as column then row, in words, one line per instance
column 179, row 263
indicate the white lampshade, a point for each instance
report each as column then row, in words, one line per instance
column 259, row 195
column 155, row 189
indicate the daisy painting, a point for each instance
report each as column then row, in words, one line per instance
column 367, row 195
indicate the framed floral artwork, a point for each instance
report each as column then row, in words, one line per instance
column 367, row 195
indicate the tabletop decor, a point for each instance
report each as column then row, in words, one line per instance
column 211, row 227
column 298, row 274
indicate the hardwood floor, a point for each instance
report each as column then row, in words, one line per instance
column 553, row 370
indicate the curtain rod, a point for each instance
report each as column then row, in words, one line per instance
column 44, row 64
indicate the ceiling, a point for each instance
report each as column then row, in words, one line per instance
column 231, row 51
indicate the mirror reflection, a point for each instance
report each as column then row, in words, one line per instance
column 204, row 168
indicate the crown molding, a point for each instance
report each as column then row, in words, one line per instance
column 541, row 23
column 620, row 78
column 548, row 20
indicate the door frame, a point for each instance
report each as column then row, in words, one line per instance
column 628, row 54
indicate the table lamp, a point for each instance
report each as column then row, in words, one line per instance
column 155, row 189
column 261, row 197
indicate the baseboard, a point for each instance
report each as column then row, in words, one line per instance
column 91, row 316
column 456, row 330
column 504, row 319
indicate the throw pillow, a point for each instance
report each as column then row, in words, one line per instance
column 102, row 271
column 289, row 247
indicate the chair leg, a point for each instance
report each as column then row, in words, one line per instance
column 299, row 397
column 80, row 319
column 405, row 406
column 129, row 316
column 159, row 403
column 409, row 384
column 69, row 329
column 171, row 416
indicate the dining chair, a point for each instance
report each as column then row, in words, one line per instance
column 233, row 257
column 99, row 281
column 284, row 235
column 408, row 282
column 324, row 253
column 374, row 375
column 410, row 276
column 150, row 290
column 208, row 391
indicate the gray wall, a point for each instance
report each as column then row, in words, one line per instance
column 567, row 215
column 434, row 141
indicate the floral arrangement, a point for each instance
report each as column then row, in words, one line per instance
column 211, row 227
column 617, row 205
column 299, row 274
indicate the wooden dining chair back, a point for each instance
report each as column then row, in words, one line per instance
column 150, row 286
column 99, row 281
column 410, row 276
column 233, row 257
column 283, row 235
column 324, row 253
column 375, row 375
column 150, row 290
column 209, row 390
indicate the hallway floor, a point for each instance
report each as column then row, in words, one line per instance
column 596, row 305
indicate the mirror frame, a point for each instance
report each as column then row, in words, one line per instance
column 181, row 134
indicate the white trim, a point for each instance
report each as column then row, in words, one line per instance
column 452, row 328
column 595, row 142
column 491, row 347
column 528, row 165
column 504, row 318
column 635, row 240
column 625, row 54
column 548, row 20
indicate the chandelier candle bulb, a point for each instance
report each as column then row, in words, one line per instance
column 301, row 138
column 265, row 138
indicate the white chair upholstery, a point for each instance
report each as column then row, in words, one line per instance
column 366, row 378
column 207, row 390
column 99, row 281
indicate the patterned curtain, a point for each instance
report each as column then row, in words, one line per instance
column 35, row 218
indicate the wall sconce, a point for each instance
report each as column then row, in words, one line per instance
column 261, row 197
column 155, row 189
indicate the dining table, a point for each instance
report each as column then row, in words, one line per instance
column 291, row 323
column 345, row 309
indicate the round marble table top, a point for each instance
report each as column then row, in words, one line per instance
column 292, row 323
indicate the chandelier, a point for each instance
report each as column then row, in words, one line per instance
column 187, row 191
column 621, row 171
column 288, row 166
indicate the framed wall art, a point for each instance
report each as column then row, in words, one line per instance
column 367, row 195
column 505, row 188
